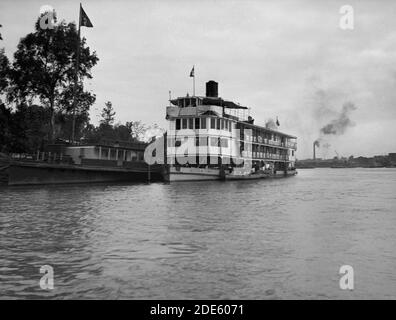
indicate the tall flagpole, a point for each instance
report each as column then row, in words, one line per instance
column 76, row 77
column 194, row 81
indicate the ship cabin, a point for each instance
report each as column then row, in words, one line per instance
column 105, row 153
column 208, row 131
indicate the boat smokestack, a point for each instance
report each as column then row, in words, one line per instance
column 212, row 89
column 315, row 144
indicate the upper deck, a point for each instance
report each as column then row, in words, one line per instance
column 216, row 127
column 213, row 106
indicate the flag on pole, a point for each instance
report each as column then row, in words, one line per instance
column 84, row 20
column 277, row 122
column 192, row 72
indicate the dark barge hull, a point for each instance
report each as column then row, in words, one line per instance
column 260, row 175
column 20, row 173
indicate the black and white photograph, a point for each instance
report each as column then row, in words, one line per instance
column 223, row 151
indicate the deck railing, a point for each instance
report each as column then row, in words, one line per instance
column 48, row 157
column 270, row 142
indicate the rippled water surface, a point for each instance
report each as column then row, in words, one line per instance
column 263, row 239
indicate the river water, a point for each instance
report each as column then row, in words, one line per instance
column 263, row 239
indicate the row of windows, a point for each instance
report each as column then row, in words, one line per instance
column 269, row 150
column 260, row 135
column 218, row 142
column 255, row 151
column 272, row 139
column 224, row 124
column 200, row 123
column 223, row 142
column 202, row 142
column 220, row 124
column 112, row 154
column 191, row 123
column 257, row 148
column 262, row 155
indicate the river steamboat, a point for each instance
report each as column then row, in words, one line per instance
column 210, row 138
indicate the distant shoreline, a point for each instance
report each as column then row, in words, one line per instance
column 391, row 167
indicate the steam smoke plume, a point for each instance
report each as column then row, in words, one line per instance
column 339, row 125
column 270, row 124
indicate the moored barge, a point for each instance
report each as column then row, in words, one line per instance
column 103, row 162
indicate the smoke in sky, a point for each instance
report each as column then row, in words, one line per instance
column 270, row 124
column 339, row 125
column 336, row 127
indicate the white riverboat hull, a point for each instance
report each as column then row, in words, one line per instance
column 193, row 174
column 202, row 174
column 260, row 175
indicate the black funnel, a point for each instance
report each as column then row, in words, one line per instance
column 212, row 89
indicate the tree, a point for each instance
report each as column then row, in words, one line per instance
column 5, row 120
column 5, row 113
column 137, row 130
column 29, row 128
column 65, row 115
column 130, row 132
column 4, row 71
column 107, row 114
column 4, row 68
column 44, row 69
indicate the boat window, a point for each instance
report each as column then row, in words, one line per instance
column 177, row 143
column 203, row 123
column 203, row 141
column 212, row 123
column 113, row 153
column 218, row 124
column 197, row 124
column 197, row 141
column 191, row 123
column 105, row 152
column 222, row 124
column 224, row 143
column 226, row 124
column 184, row 123
column 214, row 141
column 177, row 124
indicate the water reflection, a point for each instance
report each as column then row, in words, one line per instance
column 270, row 239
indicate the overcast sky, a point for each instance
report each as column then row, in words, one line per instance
column 280, row 58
